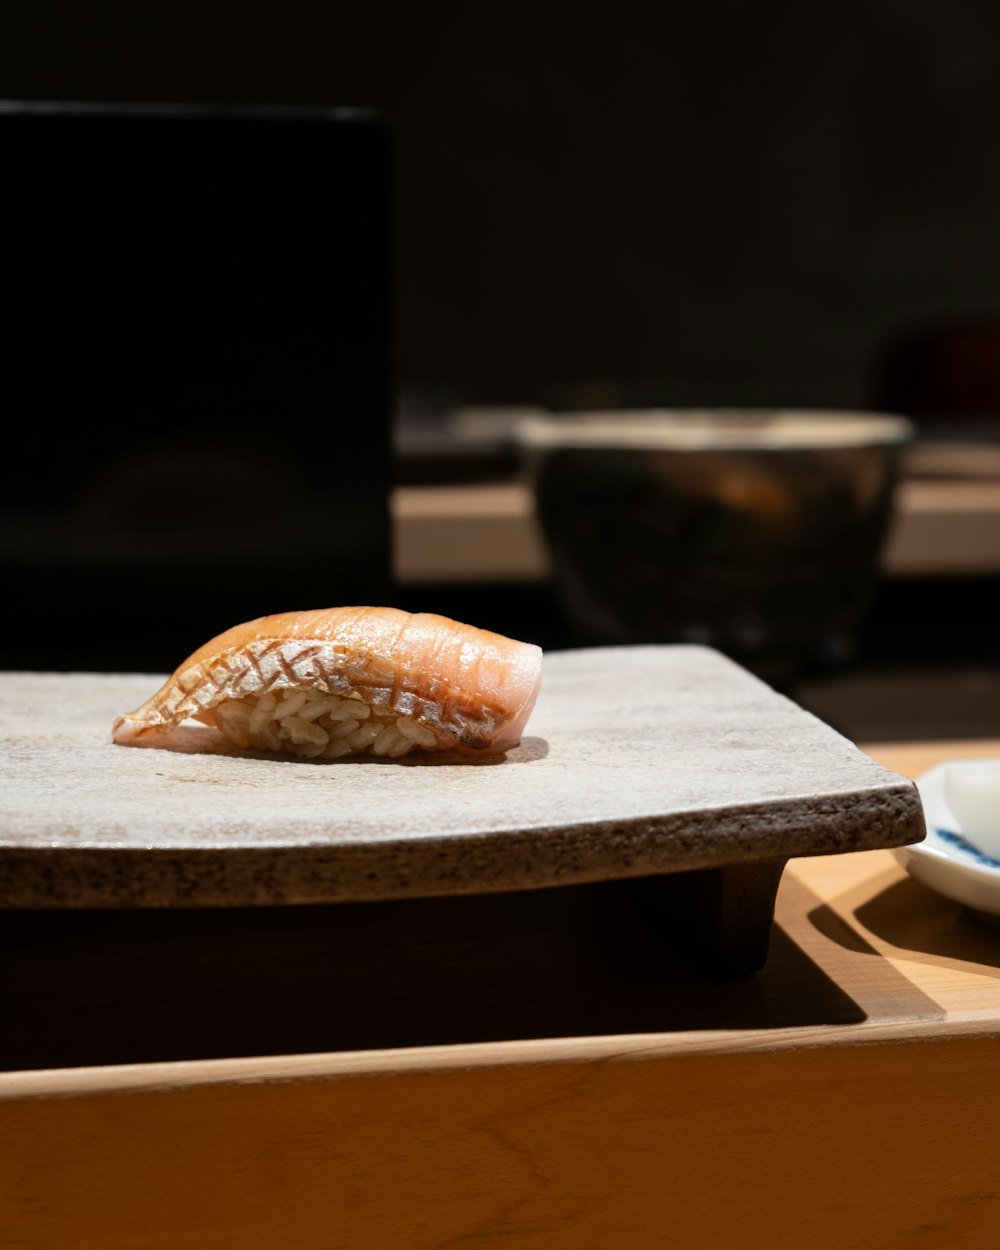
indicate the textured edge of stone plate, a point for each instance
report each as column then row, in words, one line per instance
column 882, row 813
column 535, row 859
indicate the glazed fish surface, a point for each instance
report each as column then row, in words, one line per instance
column 351, row 681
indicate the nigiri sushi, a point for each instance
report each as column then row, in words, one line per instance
column 351, row 681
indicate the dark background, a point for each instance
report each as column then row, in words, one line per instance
column 729, row 202
column 194, row 370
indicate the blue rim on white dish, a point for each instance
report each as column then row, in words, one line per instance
column 945, row 861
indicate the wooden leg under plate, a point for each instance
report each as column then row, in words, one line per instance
column 721, row 916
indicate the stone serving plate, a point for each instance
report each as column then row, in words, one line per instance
column 667, row 764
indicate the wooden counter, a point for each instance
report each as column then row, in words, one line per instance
column 845, row 1097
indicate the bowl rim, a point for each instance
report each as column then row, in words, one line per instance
column 714, row 429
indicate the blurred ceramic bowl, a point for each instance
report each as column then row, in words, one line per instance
column 757, row 532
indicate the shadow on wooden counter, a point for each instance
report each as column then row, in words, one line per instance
column 920, row 924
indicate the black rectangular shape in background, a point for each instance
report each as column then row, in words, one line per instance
column 194, row 374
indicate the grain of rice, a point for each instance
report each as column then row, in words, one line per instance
column 416, row 732
column 321, row 707
column 351, row 709
column 364, row 735
column 290, row 705
column 301, row 731
column 385, row 740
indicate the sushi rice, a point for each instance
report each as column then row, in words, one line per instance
column 317, row 725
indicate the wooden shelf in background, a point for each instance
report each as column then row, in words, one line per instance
column 491, row 533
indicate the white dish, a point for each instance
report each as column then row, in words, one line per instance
column 945, row 861
column 972, row 791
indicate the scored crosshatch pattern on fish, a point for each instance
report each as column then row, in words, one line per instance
column 351, row 681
